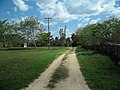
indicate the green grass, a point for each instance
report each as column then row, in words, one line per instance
column 20, row 67
column 99, row 70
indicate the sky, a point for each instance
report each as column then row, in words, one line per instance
column 72, row 13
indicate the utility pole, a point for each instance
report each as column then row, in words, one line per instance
column 65, row 33
column 48, row 32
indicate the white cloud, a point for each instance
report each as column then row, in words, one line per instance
column 64, row 10
column 17, row 20
column 81, row 7
column 8, row 12
column 45, row 24
column 94, row 21
column 68, row 32
column 62, row 14
column 84, row 22
column 23, row 18
column 87, row 21
column 116, row 12
column 47, row 7
column 47, row 1
column 109, row 6
column 15, row 9
column 54, row 9
column 89, row 7
column 21, row 5
column 79, row 25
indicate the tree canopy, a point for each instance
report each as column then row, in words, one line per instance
column 102, row 32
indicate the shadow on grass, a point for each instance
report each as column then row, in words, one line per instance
column 16, row 48
column 99, row 70
column 89, row 53
column 31, row 48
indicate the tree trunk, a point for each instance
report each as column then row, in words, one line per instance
column 3, row 43
column 34, row 44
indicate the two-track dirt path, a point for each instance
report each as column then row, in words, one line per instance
column 75, row 81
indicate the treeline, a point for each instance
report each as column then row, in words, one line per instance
column 27, row 33
column 103, row 37
column 100, row 33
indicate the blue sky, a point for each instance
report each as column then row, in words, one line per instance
column 72, row 13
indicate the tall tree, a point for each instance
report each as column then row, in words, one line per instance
column 42, row 39
column 62, row 33
column 4, row 26
column 68, row 42
column 30, row 27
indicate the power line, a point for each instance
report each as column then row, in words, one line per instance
column 48, row 32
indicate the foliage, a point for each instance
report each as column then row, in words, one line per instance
column 62, row 33
column 24, row 31
column 4, row 26
column 29, row 31
column 68, row 41
column 14, row 40
column 42, row 39
column 30, row 27
column 75, row 39
column 103, row 32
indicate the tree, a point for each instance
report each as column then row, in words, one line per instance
column 115, row 31
column 42, row 39
column 62, row 33
column 4, row 26
column 30, row 27
column 103, row 32
column 75, row 39
column 14, row 40
column 56, row 43
column 68, row 42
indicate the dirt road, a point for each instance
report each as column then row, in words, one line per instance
column 75, row 81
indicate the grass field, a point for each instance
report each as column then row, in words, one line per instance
column 20, row 67
column 99, row 70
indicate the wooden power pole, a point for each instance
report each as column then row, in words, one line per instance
column 48, row 32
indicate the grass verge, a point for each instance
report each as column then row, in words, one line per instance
column 99, row 71
column 20, row 67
